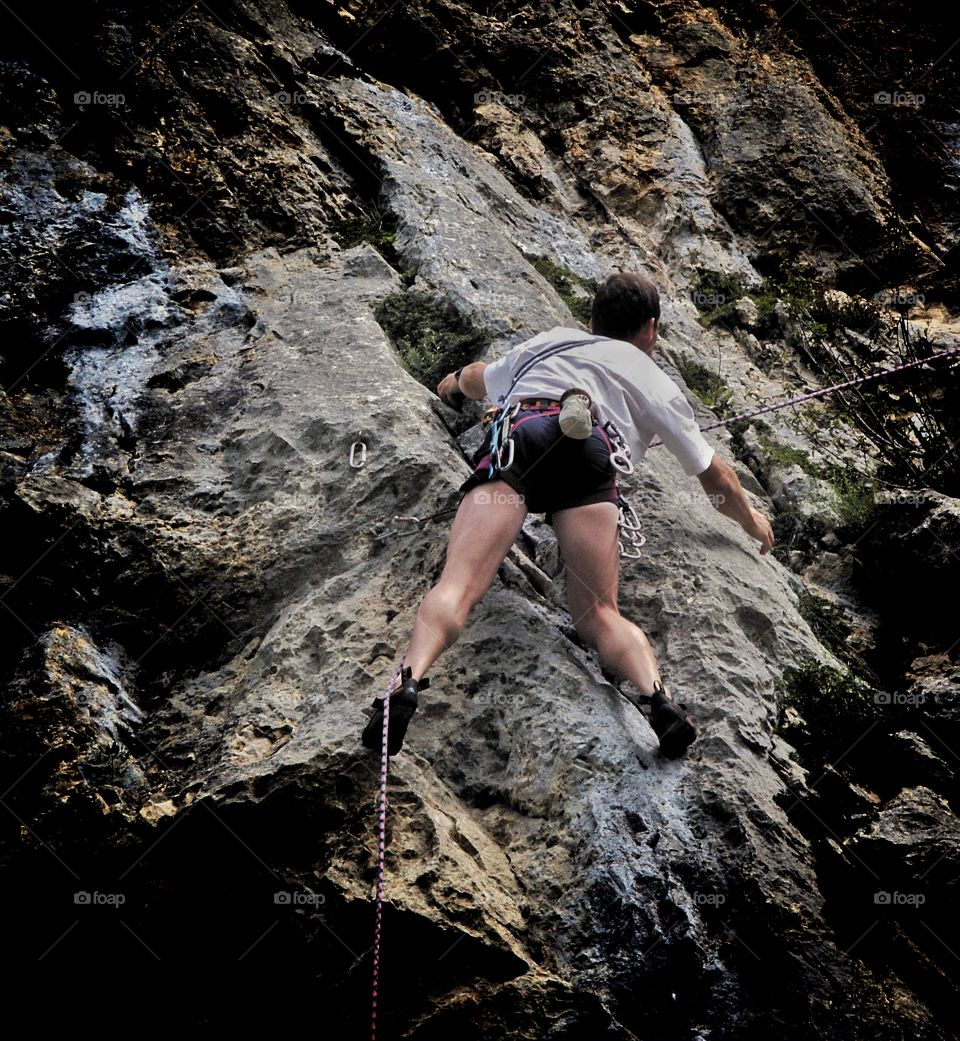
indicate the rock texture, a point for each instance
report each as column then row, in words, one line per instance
column 202, row 595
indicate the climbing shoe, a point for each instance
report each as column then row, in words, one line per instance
column 670, row 723
column 403, row 704
column 576, row 420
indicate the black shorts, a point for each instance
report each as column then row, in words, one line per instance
column 550, row 470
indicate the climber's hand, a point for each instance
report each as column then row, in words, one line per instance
column 758, row 527
column 449, row 393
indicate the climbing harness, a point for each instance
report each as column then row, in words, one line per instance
column 548, row 352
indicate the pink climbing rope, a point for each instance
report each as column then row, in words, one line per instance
column 777, row 405
column 381, row 850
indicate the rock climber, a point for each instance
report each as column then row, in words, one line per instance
column 568, row 477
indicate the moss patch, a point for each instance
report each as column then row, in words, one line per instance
column 566, row 283
column 430, row 335
column 708, row 386
column 785, row 455
column 376, row 228
column 834, row 708
column 852, row 494
column 832, row 628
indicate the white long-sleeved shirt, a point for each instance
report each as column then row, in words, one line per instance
column 623, row 382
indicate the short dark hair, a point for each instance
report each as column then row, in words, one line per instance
column 623, row 303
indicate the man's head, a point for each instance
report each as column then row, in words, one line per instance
column 627, row 307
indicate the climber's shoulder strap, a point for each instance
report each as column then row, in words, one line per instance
column 547, row 352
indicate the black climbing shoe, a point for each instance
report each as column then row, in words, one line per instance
column 403, row 704
column 670, row 723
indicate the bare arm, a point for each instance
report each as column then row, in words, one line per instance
column 725, row 491
column 470, row 383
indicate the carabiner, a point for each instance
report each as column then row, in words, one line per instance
column 509, row 462
column 620, row 461
column 628, row 516
column 356, row 461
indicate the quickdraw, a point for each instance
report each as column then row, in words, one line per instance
column 500, row 440
column 630, row 538
column 620, row 456
column 630, row 532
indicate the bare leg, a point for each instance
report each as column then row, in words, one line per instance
column 588, row 542
column 485, row 527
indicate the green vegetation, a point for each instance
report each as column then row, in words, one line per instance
column 715, row 295
column 823, row 317
column 375, row 228
column 852, row 494
column 854, row 498
column 430, row 335
column 785, row 455
column 835, row 708
column 707, row 385
column 831, row 627
column 565, row 282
